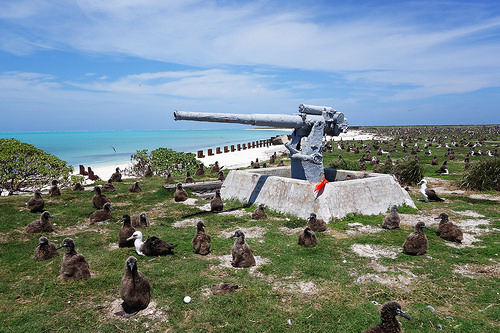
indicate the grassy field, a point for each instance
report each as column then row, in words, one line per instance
column 337, row 286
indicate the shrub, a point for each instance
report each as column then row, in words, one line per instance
column 161, row 161
column 344, row 165
column 25, row 167
column 409, row 172
column 482, row 176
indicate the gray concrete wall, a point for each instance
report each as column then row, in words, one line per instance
column 368, row 196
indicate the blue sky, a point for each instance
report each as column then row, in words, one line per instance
column 123, row 64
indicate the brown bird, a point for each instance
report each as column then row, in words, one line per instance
column 125, row 232
column 140, row 221
column 54, row 190
column 307, row 238
column 241, row 252
column 180, row 193
column 36, row 204
column 221, row 176
column 416, row 243
column 200, row 171
column 153, row 246
column 135, row 289
column 427, row 193
column 447, row 230
column 116, row 176
column 434, row 160
column 169, row 177
column 317, row 225
column 99, row 199
column 149, row 172
column 40, row 225
column 45, row 250
column 135, row 188
column 78, row 187
column 73, row 265
column 391, row 221
column 259, row 213
column 201, row 240
column 389, row 323
column 189, row 178
column 216, row 204
column 108, row 187
column 215, row 168
column 101, row 214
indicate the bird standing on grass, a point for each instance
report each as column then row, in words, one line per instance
column 307, row 238
column 99, row 199
column 427, row 193
column 416, row 243
column 36, row 203
column 447, row 230
column 135, row 289
column 389, row 323
column 41, row 224
column 216, row 204
column 180, row 193
column 73, row 265
column 241, row 252
column 392, row 220
column 125, row 232
column 201, row 240
column 45, row 250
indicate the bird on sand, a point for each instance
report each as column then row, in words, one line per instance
column 389, row 323
column 73, row 265
column 153, row 246
column 101, row 214
column 135, row 188
column 391, row 221
column 427, row 193
column 447, row 230
column 54, row 190
column 135, row 289
column 180, row 193
column 140, row 221
column 99, row 199
column 201, row 240
column 126, row 231
column 307, row 238
column 41, row 224
column 259, row 213
column 416, row 243
column 241, row 252
column 45, row 250
column 36, row 203
column 216, row 204
column 443, row 170
column 317, row 225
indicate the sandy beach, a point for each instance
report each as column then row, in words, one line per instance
column 238, row 159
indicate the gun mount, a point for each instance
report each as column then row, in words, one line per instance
column 306, row 145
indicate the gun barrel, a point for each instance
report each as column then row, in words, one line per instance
column 273, row 120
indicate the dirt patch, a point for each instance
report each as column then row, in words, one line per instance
column 361, row 229
column 473, row 226
column 466, row 242
column 377, row 267
column 188, row 201
column 468, row 213
column 236, row 212
column 402, row 280
column 375, row 251
column 411, row 220
column 302, row 287
column 474, row 271
column 443, row 186
column 152, row 311
column 225, row 261
column 186, row 223
column 112, row 246
column 290, row 231
column 336, row 234
column 485, row 197
column 251, row 232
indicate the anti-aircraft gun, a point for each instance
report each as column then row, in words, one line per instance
column 306, row 145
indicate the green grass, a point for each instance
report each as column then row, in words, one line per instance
column 34, row 299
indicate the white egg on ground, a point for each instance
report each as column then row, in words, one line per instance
column 187, row 299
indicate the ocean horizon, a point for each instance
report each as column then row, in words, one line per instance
column 102, row 148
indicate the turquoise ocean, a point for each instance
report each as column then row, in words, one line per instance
column 102, row 148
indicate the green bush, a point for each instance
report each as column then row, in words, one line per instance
column 409, row 172
column 344, row 165
column 482, row 176
column 161, row 161
column 25, row 167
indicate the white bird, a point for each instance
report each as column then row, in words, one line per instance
column 489, row 153
column 427, row 193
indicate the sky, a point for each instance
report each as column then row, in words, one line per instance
column 127, row 65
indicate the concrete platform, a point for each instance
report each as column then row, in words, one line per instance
column 364, row 193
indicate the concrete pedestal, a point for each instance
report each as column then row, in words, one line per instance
column 347, row 192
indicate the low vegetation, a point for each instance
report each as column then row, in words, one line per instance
column 337, row 286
